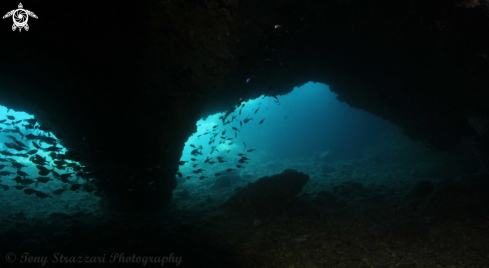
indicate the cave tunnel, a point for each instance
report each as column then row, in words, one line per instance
column 225, row 133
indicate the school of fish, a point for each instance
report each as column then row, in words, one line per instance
column 217, row 135
column 23, row 147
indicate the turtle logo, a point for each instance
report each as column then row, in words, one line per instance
column 20, row 17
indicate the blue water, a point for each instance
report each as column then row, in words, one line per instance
column 305, row 122
column 308, row 124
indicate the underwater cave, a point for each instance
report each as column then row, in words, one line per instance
column 307, row 130
column 227, row 133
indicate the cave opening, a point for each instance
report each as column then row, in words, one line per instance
column 351, row 156
column 36, row 176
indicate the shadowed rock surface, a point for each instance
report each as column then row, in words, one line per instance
column 268, row 195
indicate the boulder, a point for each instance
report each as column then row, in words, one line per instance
column 268, row 195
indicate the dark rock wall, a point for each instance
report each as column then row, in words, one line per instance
column 124, row 82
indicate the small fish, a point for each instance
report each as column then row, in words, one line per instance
column 17, row 179
column 188, row 177
column 31, row 137
column 41, row 167
column 195, row 152
column 257, row 110
column 64, row 180
column 193, row 146
column 230, row 169
column 248, row 80
column 7, row 153
column 179, row 174
column 241, row 123
column 21, row 144
column 43, row 179
column 59, row 191
column 5, row 173
column 202, row 177
column 32, row 152
column 27, row 181
column 64, row 176
column 10, row 117
column 239, row 166
column 41, row 194
column 251, row 150
column 60, row 162
column 247, row 120
column 52, row 149
column 181, row 163
column 22, row 173
column 55, row 174
column 48, row 140
column 261, row 121
column 194, row 165
column 236, row 129
column 29, row 191
column 37, row 146
column 75, row 187
column 277, row 26
column 44, row 172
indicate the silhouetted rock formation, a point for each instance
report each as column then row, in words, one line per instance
column 268, row 195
